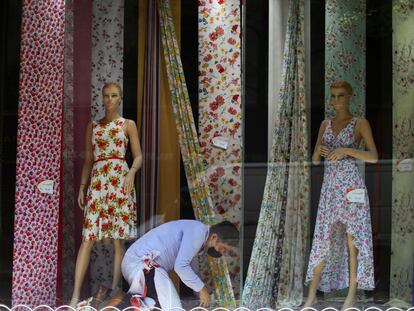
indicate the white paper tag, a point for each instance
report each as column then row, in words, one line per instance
column 45, row 186
column 220, row 142
column 405, row 165
column 356, row 195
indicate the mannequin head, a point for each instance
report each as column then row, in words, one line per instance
column 341, row 92
column 112, row 95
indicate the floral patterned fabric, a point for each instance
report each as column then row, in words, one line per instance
column 110, row 211
column 402, row 233
column 275, row 275
column 338, row 217
column 190, row 148
column 220, row 113
column 107, row 49
column 39, row 154
column 344, row 49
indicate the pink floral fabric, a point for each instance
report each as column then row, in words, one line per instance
column 39, row 153
column 336, row 217
column 110, row 211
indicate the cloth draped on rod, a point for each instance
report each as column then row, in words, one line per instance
column 159, row 189
column 190, row 148
column 150, row 125
column 275, row 274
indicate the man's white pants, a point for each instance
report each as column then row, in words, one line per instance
column 133, row 271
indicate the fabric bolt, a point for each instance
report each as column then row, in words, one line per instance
column 150, row 123
column 160, row 173
column 189, row 145
column 110, row 212
column 169, row 161
column 345, row 41
column 67, row 265
column 107, row 49
column 338, row 217
column 278, row 13
column 402, row 233
column 274, row 276
column 39, row 153
column 220, row 112
column 107, row 39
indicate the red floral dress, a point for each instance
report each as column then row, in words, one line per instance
column 110, row 211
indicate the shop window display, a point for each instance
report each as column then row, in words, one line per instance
column 218, row 104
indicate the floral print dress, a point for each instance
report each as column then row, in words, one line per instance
column 110, row 211
column 337, row 216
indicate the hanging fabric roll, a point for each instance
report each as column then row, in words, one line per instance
column 150, row 123
column 190, row 148
column 275, row 274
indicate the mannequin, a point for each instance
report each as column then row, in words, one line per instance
column 341, row 254
column 109, row 204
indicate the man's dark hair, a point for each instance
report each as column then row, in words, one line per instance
column 227, row 232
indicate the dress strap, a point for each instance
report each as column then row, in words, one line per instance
column 354, row 122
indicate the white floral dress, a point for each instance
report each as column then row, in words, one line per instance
column 336, row 217
column 110, row 211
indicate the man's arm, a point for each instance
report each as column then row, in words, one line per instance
column 191, row 243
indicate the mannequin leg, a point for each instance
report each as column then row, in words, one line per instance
column 82, row 263
column 311, row 300
column 353, row 264
column 119, row 252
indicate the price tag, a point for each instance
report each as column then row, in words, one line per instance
column 45, row 186
column 220, row 142
column 356, row 196
column 405, row 165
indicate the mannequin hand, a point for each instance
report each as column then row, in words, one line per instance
column 337, row 154
column 81, row 198
column 129, row 182
column 323, row 151
column 204, row 298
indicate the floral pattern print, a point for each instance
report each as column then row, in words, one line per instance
column 220, row 112
column 107, row 49
column 402, row 233
column 190, row 148
column 403, row 66
column 338, row 217
column 110, row 211
column 345, row 50
column 39, row 153
column 275, row 274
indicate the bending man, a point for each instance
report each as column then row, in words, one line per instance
column 173, row 246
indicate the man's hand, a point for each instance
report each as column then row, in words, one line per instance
column 204, row 297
